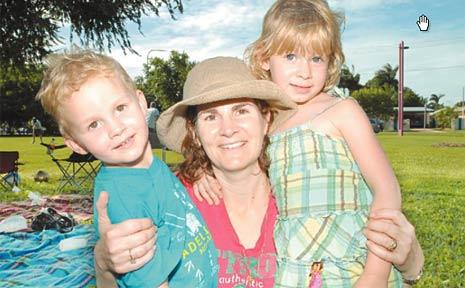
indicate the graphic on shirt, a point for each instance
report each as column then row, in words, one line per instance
column 192, row 223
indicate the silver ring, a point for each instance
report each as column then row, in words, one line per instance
column 132, row 260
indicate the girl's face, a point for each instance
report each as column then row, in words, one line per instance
column 232, row 133
column 301, row 77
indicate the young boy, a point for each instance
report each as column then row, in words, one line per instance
column 99, row 111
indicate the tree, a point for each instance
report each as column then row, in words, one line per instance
column 349, row 79
column 29, row 28
column 375, row 101
column 445, row 116
column 163, row 80
column 412, row 99
column 434, row 101
column 18, row 89
column 384, row 77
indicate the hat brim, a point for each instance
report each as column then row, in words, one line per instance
column 171, row 125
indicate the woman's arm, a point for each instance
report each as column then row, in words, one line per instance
column 111, row 253
column 386, row 225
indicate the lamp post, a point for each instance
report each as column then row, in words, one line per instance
column 162, row 147
column 153, row 50
column 400, row 111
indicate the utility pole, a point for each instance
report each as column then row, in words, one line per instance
column 463, row 103
column 400, row 97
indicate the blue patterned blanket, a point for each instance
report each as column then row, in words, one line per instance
column 35, row 260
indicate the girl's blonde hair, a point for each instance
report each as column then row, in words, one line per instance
column 67, row 72
column 299, row 26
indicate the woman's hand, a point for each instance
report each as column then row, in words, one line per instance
column 386, row 227
column 119, row 242
column 207, row 188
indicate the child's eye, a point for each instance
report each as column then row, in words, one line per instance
column 120, row 107
column 291, row 57
column 93, row 125
column 317, row 59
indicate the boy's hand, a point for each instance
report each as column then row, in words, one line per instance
column 112, row 249
column 208, row 188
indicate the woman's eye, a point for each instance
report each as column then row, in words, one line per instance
column 242, row 111
column 120, row 108
column 291, row 57
column 209, row 117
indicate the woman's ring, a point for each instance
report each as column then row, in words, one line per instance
column 131, row 258
column 393, row 246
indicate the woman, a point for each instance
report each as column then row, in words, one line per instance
column 222, row 124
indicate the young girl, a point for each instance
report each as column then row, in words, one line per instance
column 326, row 161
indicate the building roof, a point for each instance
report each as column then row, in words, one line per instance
column 416, row 109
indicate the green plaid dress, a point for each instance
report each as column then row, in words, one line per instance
column 323, row 203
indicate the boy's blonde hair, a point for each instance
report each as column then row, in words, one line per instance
column 299, row 26
column 67, row 72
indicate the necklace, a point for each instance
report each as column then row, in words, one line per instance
column 262, row 241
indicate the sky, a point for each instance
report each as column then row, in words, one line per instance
column 434, row 62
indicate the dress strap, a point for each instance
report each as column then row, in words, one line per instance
column 338, row 100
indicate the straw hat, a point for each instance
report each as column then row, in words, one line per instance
column 217, row 79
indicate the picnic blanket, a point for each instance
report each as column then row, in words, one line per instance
column 79, row 206
column 33, row 259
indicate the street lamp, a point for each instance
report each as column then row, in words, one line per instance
column 400, row 111
column 153, row 50
column 162, row 147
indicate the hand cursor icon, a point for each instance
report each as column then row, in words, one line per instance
column 423, row 23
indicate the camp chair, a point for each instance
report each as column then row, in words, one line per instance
column 9, row 166
column 76, row 170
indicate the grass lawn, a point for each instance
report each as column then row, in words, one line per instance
column 432, row 178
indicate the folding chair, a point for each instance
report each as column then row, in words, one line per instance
column 9, row 169
column 76, row 170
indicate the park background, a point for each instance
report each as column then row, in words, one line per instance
column 430, row 165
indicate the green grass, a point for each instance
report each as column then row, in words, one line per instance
column 433, row 189
column 432, row 181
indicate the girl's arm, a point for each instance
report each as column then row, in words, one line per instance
column 355, row 128
column 207, row 188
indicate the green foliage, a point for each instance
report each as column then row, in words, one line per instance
column 18, row 89
column 375, row 101
column 411, row 99
column 433, row 102
column 349, row 79
column 444, row 117
column 30, row 28
column 163, row 80
column 383, row 77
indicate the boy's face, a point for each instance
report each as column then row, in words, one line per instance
column 302, row 77
column 106, row 119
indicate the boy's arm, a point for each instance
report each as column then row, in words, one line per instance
column 355, row 127
column 133, row 198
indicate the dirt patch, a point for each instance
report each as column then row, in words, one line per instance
column 445, row 144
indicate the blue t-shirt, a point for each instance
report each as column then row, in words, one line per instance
column 185, row 253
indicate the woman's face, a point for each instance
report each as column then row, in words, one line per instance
column 232, row 132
